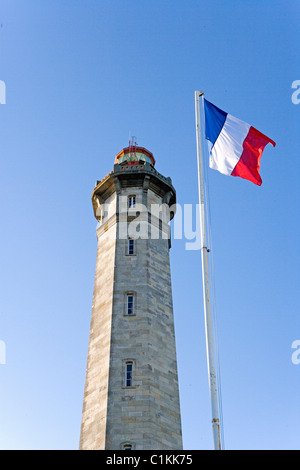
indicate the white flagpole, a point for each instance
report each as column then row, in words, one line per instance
column 206, row 289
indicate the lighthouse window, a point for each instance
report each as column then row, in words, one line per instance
column 127, row 447
column 128, row 373
column 131, row 247
column 131, row 202
column 130, row 304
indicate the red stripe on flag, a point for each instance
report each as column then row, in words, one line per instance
column 249, row 164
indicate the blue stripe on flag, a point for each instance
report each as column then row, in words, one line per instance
column 214, row 121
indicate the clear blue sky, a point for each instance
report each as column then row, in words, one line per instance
column 80, row 78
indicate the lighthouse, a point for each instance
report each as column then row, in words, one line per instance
column 131, row 395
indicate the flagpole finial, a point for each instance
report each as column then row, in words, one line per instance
column 200, row 93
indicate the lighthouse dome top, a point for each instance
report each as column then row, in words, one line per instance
column 133, row 155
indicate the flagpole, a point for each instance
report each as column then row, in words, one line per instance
column 206, row 289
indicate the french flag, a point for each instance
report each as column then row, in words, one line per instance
column 236, row 147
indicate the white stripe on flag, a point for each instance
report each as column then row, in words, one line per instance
column 228, row 147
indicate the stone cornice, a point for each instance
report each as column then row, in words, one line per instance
column 140, row 176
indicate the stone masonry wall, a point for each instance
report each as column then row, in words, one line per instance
column 94, row 412
column 145, row 415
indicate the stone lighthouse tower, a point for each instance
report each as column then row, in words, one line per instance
column 131, row 398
